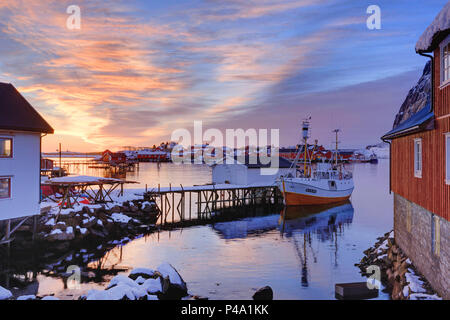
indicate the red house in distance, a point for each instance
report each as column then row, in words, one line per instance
column 113, row 157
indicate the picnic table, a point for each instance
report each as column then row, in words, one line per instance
column 74, row 188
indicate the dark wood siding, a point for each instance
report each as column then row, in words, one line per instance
column 430, row 191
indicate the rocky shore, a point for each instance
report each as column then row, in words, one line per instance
column 89, row 225
column 398, row 274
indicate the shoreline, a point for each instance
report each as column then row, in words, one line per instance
column 398, row 274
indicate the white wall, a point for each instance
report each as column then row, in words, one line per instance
column 24, row 170
column 233, row 173
column 254, row 176
column 240, row 174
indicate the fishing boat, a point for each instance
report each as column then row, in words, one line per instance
column 323, row 183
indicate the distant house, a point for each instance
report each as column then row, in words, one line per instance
column 21, row 129
column 114, row 157
column 247, row 172
column 47, row 164
column 420, row 167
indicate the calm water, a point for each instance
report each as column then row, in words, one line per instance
column 300, row 259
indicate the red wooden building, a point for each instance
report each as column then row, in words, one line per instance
column 113, row 157
column 420, row 167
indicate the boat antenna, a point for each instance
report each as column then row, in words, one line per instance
column 305, row 132
column 337, row 144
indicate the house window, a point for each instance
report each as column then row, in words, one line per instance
column 418, row 158
column 447, row 158
column 5, row 187
column 5, row 148
column 446, row 63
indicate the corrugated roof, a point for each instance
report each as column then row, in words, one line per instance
column 17, row 114
column 415, row 123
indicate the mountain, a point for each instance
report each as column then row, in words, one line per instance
column 418, row 97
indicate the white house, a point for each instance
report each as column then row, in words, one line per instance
column 21, row 129
column 247, row 172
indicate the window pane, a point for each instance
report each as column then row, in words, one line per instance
column 5, row 188
column 5, row 147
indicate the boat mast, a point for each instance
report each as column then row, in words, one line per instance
column 305, row 130
column 337, row 143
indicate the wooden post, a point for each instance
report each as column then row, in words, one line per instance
column 8, row 233
column 190, row 205
column 35, row 221
column 173, row 207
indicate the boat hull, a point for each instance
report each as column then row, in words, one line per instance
column 299, row 192
column 297, row 199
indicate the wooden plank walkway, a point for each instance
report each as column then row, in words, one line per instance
column 179, row 204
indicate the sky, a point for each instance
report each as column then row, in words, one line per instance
column 136, row 71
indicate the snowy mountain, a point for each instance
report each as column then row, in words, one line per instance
column 418, row 97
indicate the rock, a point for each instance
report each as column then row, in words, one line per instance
column 397, row 290
column 122, row 280
column 116, row 209
column 264, row 293
column 153, row 286
column 29, row 297
column 173, row 285
column 59, row 235
column 5, row 294
column 100, row 234
column 49, row 298
column 147, row 208
column 142, row 272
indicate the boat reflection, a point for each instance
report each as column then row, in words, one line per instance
column 325, row 222
column 300, row 225
column 317, row 219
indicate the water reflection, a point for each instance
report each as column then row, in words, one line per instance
column 300, row 257
column 325, row 222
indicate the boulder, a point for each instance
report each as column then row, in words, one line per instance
column 142, row 272
column 265, row 293
column 116, row 209
column 59, row 235
column 5, row 294
column 173, row 285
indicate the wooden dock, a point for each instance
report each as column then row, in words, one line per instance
column 182, row 204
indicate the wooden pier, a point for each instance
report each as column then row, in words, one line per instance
column 184, row 204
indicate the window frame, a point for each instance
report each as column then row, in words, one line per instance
column 447, row 158
column 10, row 188
column 444, row 44
column 12, row 147
column 418, row 171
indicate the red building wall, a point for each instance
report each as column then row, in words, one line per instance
column 430, row 191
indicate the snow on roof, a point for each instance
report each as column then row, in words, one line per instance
column 435, row 32
column 81, row 179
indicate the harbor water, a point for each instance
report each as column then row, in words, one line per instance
column 300, row 257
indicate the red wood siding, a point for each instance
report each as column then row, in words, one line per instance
column 441, row 96
column 430, row 191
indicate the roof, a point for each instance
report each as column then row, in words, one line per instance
column 436, row 32
column 18, row 114
column 417, row 122
column 255, row 162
